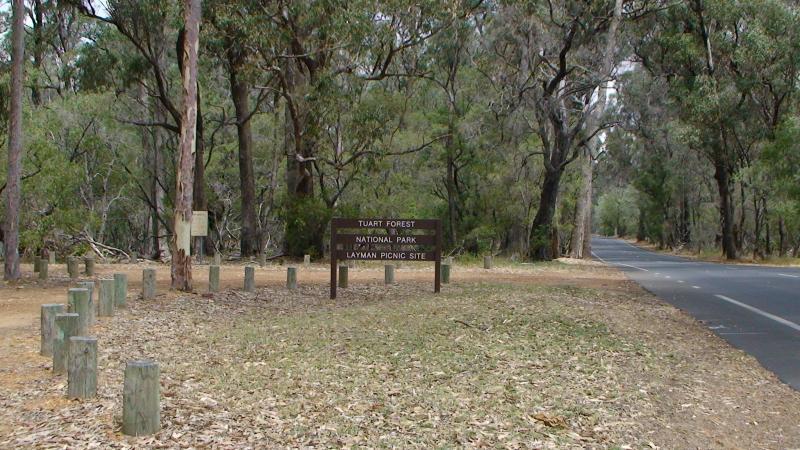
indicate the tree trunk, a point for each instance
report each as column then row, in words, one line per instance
column 156, row 189
column 581, row 242
column 541, row 247
column 781, row 237
column 13, row 188
column 181, row 257
column 38, row 50
column 450, row 185
column 722, row 176
column 249, row 238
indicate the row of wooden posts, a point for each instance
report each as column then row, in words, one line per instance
column 65, row 336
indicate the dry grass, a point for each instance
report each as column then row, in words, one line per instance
column 484, row 364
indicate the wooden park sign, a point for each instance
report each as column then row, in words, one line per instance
column 387, row 240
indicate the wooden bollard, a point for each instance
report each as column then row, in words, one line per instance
column 487, row 262
column 217, row 259
column 249, row 279
column 120, row 290
column 213, row 278
column 343, row 269
column 262, row 259
column 36, row 262
column 78, row 303
column 66, row 327
column 388, row 274
column 89, row 264
column 141, row 412
column 72, row 266
column 43, row 264
column 134, row 259
column 306, row 260
column 82, row 367
column 148, row 284
column 48, row 327
column 105, row 299
column 51, row 257
column 291, row 278
column 89, row 285
column 445, row 273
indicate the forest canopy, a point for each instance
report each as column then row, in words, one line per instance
column 676, row 121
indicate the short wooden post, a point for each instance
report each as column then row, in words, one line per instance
column 291, row 278
column 343, row 269
column 43, row 264
column 388, row 274
column 66, row 327
column 141, row 412
column 445, row 273
column 306, row 260
column 134, row 259
column 72, row 266
column 36, row 262
column 217, row 259
column 51, row 256
column 262, row 259
column 148, row 284
column 88, row 261
column 249, row 279
column 213, row 278
column 120, row 290
column 78, row 303
column 487, row 262
column 82, row 367
column 48, row 326
column 89, row 285
column 105, row 299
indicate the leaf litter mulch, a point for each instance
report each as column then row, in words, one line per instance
column 484, row 364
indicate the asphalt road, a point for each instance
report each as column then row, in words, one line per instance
column 755, row 308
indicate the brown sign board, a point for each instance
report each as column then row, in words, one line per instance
column 386, row 240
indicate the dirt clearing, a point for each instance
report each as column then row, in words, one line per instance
column 545, row 356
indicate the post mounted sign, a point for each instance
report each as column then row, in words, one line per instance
column 388, row 240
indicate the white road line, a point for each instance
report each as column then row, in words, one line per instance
column 695, row 287
column 668, row 277
column 632, row 267
column 778, row 319
column 681, row 281
column 618, row 264
column 787, row 275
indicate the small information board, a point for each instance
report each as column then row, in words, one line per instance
column 387, row 240
column 199, row 223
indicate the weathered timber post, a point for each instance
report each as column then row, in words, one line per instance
column 89, row 285
column 291, row 278
column 388, row 274
column 48, row 326
column 78, row 303
column 343, row 269
column 66, row 327
column 148, row 284
column 82, row 367
column 213, row 278
column 36, row 262
column 120, row 290
column 487, row 262
column 306, row 261
column 141, row 412
column 445, row 273
column 43, row 264
column 217, row 259
column 105, row 299
column 262, row 259
column 72, row 266
column 249, row 279
column 88, row 261
column 51, row 256
column 134, row 259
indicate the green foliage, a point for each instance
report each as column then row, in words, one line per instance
column 306, row 222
